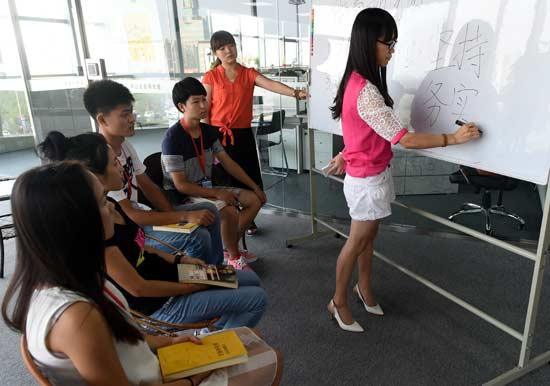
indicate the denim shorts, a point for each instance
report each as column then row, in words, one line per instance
column 369, row 198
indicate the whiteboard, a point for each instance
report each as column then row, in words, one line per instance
column 486, row 61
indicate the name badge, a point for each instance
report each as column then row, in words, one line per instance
column 206, row 183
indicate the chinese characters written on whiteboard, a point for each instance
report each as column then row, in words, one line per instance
column 448, row 91
column 472, row 46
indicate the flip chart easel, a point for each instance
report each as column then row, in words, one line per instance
column 425, row 100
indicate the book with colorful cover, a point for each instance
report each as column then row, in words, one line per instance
column 179, row 227
column 217, row 275
column 217, row 350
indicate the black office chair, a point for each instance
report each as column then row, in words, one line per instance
column 154, row 170
column 485, row 182
column 263, row 130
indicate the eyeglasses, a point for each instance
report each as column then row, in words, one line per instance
column 391, row 44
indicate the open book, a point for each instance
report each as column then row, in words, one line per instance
column 179, row 227
column 217, row 350
column 218, row 275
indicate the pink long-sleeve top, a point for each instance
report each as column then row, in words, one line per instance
column 369, row 128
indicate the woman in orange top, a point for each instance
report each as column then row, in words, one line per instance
column 230, row 86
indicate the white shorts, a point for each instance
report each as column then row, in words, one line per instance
column 369, row 198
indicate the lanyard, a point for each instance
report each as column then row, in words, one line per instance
column 200, row 156
column 126, row 174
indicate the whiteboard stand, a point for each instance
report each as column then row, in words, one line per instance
column 315, row 233
column 525, row 364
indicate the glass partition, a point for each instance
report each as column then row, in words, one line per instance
column 273, row 37
column 148, row 45
column 136, row 38
column 53, row 66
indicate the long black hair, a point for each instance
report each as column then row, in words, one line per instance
column 60, row 243
column 90, row 148
column 370, row 25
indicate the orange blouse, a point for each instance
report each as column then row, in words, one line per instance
column 231, row 102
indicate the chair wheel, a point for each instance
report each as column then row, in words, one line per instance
column 490, row 232
column 337, row 235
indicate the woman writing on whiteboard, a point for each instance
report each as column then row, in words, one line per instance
column 370, row 127
column 229, row 86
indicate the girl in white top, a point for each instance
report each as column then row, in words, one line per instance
column 47, row 306
column 78, row 328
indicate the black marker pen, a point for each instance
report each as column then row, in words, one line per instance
column 462, row 123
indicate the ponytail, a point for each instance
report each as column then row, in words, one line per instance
column 54, row 147
column 215, row 63
column 88, row 148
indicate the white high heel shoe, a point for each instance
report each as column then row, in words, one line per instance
column 376, row 310
column 354, row 327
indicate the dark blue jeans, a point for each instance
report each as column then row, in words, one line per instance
column 204, row 242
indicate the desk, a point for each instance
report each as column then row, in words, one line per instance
column 7, row 230
column 6, row 186
column 292, row 141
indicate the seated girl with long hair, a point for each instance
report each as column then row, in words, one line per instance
column 148, row 277
column 78, row 326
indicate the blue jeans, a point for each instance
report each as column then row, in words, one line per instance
column 204, row 242
column 243, row 306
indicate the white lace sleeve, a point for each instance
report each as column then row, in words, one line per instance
column 373, row 110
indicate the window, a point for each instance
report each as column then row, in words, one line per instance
column 14, row 110
column 137, row 41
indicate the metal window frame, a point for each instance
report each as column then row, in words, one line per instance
column 23, row 64
column 69, row 22
column 79, row 40
column 44, row 19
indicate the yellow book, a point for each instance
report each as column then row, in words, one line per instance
column 179, row 227
column 218, row 350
